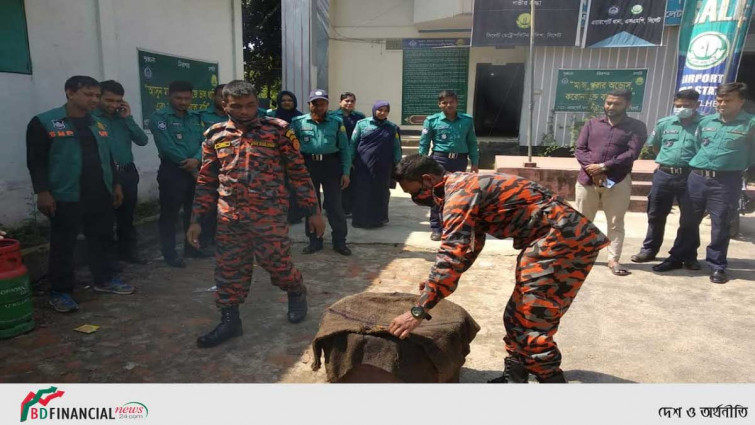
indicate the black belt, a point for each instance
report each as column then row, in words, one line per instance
column 674, row 170
column 128, row 167
column 715, row 173
column 319, row 156
column 450, row 155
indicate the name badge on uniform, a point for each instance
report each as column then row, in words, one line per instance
column 709, row 128
column 670, row 131
column 222, row 145
column 739, row 132
column 179, row 136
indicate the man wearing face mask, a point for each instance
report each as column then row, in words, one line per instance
column 559, row 247
column 674, row 143
column 246, row 163
column 327, row 153
column 725, row 148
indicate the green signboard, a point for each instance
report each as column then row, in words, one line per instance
column 583, row 90
column 427, row 72
column 157, row 71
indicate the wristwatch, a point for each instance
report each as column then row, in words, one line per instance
column 420, row 313
column 603, row 167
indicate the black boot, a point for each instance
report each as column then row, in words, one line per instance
column 315, row 244
column 229, row 327
column 556, row 378
column 513, row 372
column 297, row 306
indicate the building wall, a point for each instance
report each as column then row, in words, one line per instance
column 659, row 61
column 100, row 38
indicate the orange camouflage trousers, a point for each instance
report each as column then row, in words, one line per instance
column 549, row 273
column 241, row 243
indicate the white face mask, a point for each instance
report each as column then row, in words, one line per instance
column 684, row 113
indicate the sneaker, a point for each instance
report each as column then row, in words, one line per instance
column 63, row 302
column 436, row 235
column 114, row 286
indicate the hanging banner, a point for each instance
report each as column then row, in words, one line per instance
column 584, row 90
column 625, row 23
column 506, row 23
column 674, row 10
column 711, row 39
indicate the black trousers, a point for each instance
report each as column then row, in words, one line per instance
column 176, row 188
column 124, row 215
column 667, row 187
column 96, row 219
column 327, row 174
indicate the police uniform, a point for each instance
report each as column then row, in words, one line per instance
column 177, row 138
column 71, row 159
column 243, row 176
column 453, row 142
column 327, row 155
column 725, row 150
column 210, row 116
column 349, row 122
column 124, row 131
column 677, row 144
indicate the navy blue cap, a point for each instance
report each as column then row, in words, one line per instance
column 318, row 94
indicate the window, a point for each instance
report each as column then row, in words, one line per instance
column 14, row 40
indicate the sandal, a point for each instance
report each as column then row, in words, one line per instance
column 617, row 270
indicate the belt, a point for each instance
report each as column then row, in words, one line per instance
column 128, row 167
column 450, row 155
column 319, row 156
column 715, row 173
column 674, row 170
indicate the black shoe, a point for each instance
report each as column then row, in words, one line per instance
column 176, row 262
column 556, row 378
column 297, row 307
column 667, row 265
column 314, row 246
column 436, row 235
column 692, row 265
column 347, row 214
column 719, row 276
column 643, row 257
column 342, row 249
column 513, row 373
column 229, row 327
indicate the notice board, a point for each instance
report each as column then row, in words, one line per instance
column 157, row 71
column 427, row 72
column 579, row 89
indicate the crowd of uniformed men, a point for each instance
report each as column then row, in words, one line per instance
column 241, row 174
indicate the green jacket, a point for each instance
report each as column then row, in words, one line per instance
column 725, row 146
column 677, row 143
column 455, row 136
column 122, row 131
column 328, row 136
column 210, row 117
column 177, row 138
column 65, row 162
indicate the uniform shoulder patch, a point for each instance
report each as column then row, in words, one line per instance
column 291, row 135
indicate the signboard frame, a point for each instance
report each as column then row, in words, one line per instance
column 638, row 97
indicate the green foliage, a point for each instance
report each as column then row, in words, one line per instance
column 262, row 45
column 647, row 152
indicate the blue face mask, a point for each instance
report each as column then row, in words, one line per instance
column 684, row 113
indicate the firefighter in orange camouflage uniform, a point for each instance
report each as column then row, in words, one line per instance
column 559, row 247
column 245, row 164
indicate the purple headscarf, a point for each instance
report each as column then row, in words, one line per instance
column 379, row 104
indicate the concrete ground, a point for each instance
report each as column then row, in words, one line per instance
column 672, row 328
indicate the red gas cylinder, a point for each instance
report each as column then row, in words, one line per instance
column 15, row 291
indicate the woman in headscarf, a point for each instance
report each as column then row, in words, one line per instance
column 286, row 111
column 376, row 144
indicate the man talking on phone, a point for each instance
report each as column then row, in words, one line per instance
column 115, row 113
column 606, row 150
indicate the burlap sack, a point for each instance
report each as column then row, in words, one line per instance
column 353, row 336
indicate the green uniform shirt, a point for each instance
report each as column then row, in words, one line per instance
column 211, row 117
column 368, row 125
column 677, row 143
column 122, row 131
column 328, row 136
column 448, row 136
column 725, row 146
column 177, row 138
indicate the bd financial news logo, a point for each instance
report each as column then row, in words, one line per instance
column 35, row 406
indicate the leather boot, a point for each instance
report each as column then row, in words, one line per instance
column 556, row 378
column 297, row 306
column 229, row 327
column 513, row 373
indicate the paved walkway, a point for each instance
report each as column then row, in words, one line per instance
column 676, row 327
